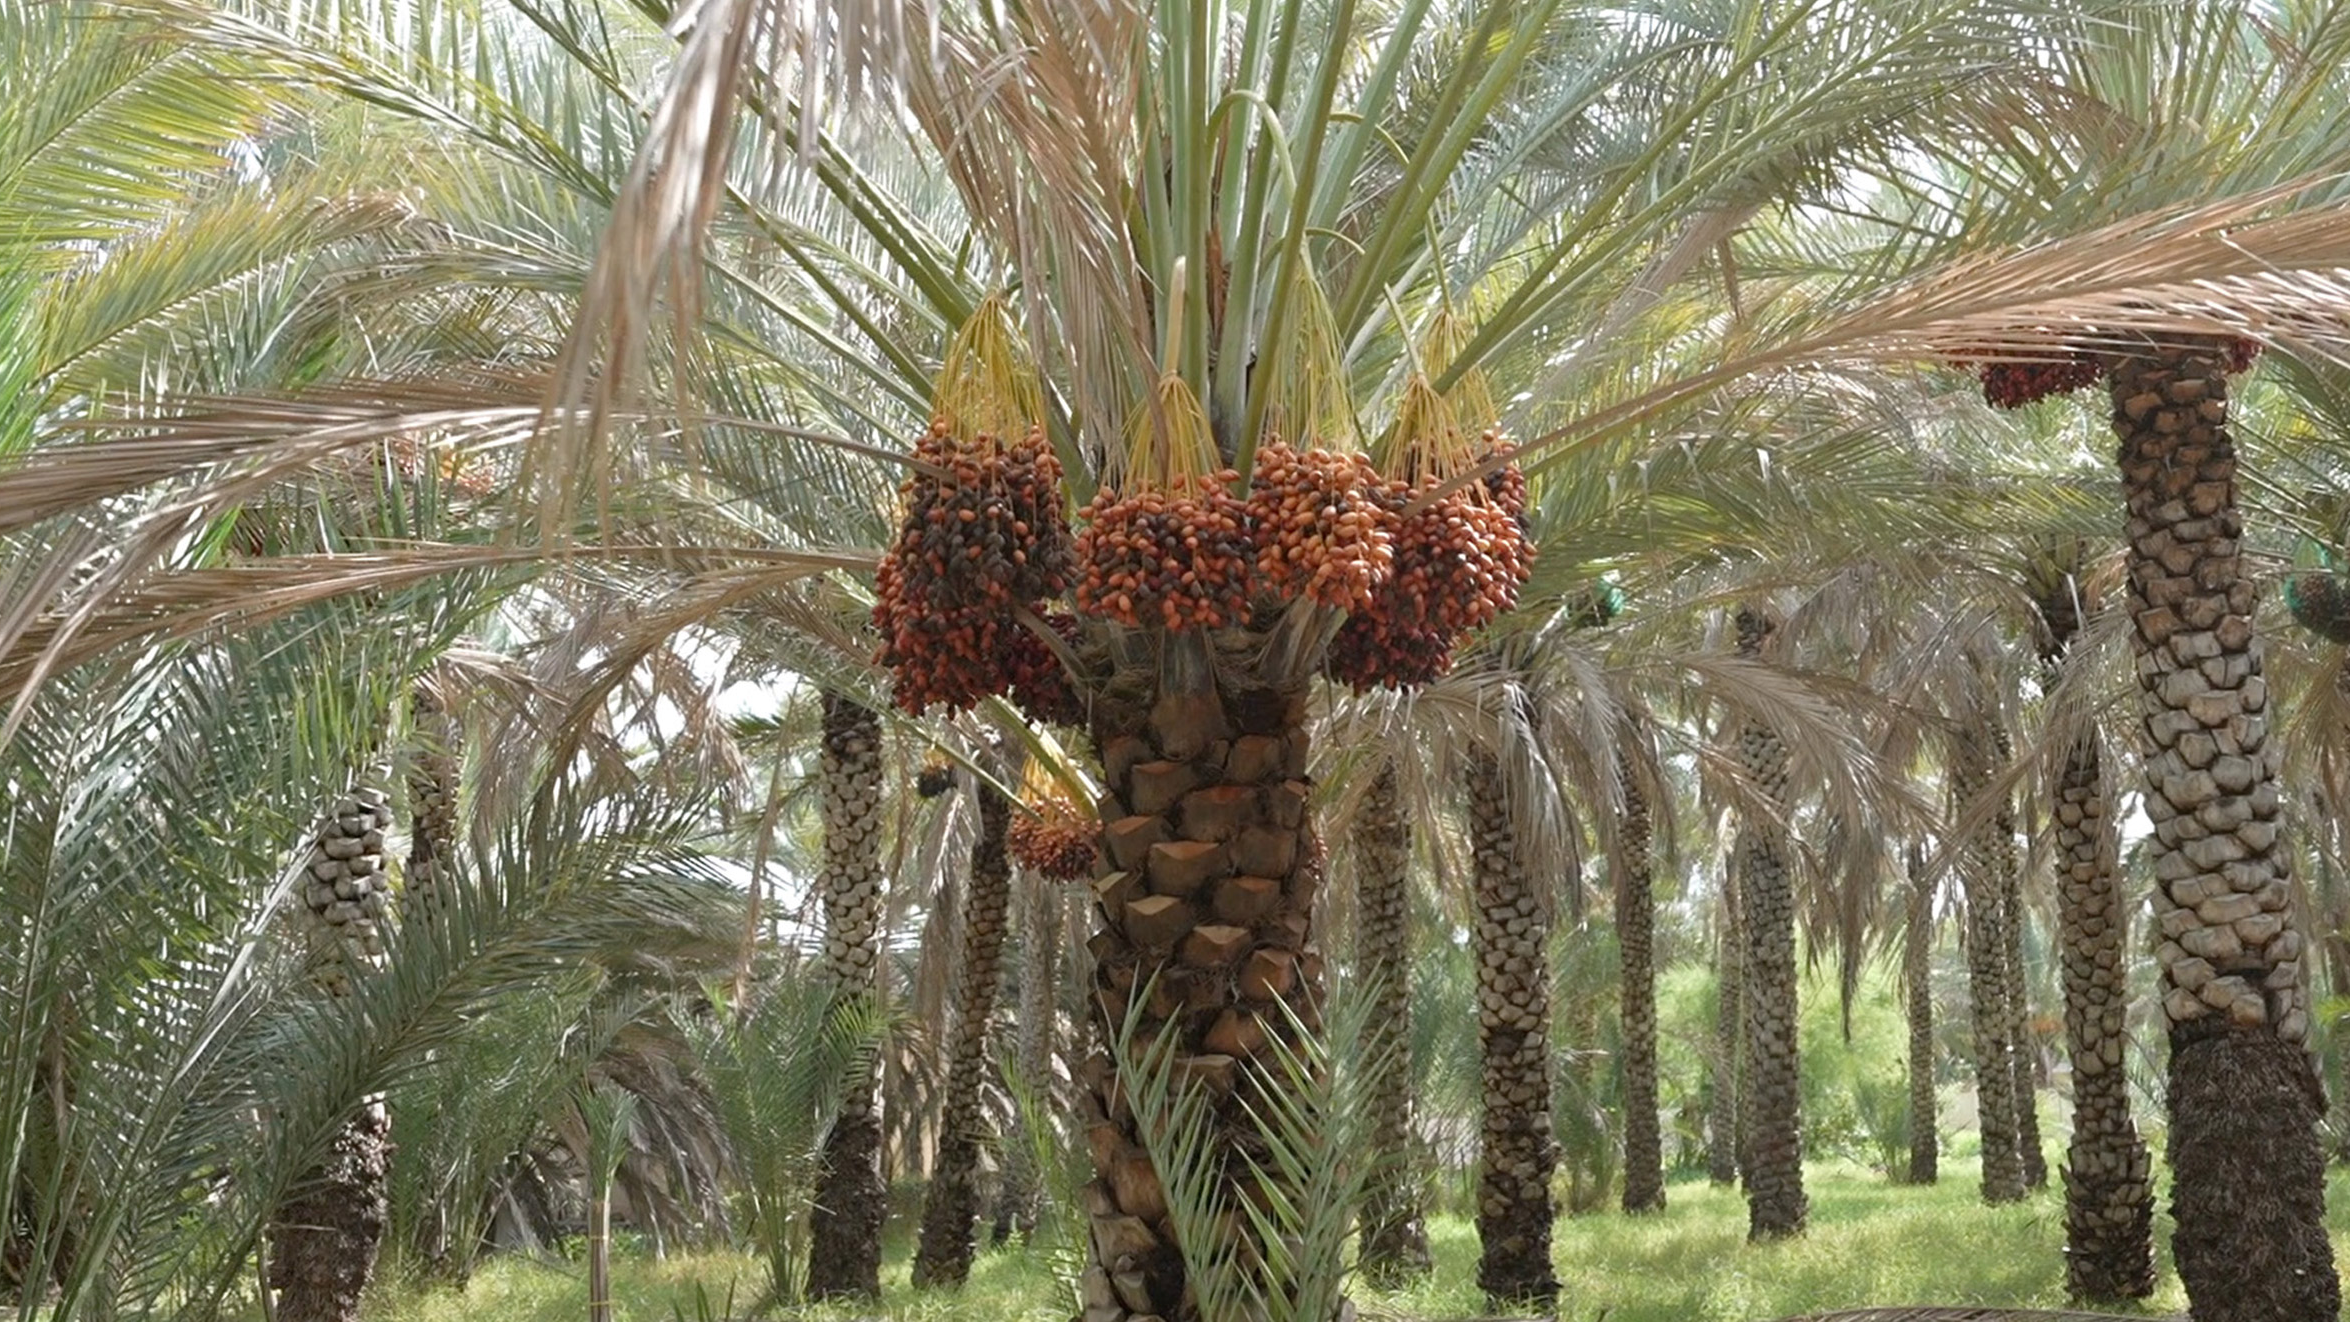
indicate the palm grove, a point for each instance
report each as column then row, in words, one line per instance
column 1208, row 500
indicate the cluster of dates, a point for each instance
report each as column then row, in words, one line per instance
column 1459, row 563
column 1325, row 526
column 2320, row 603
column 1052, row 842
column 2012, row 384
column 1412, row 566
column 1176, row 555
column 983, row 538
column 1413, row 570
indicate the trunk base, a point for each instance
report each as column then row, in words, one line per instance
column 1642, row 1200
column 950, row 1217
column 1515, row 1271
column 844, row 1229
column 2249, row 1177
column 1394, row 1248
column 1514, row 1203
column 328, row 1232
column 2109, row 1220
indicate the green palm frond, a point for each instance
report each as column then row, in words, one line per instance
column 775, row 1064
column 109, row 126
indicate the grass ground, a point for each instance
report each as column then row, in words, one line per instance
column 1871, row 1243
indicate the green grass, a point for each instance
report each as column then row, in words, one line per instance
column 1871, row 1243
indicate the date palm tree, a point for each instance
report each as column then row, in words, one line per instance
column 326, row 1235
column 950, row 1211
column 1123, row 171
column 433, row 775
column 1037, row 1046
column 1394, row 1234
column 2108, row 1179
column 1988, row 938
column 1917, row 967
column 852, row 1201
column 2015, row 986
column 2244, row 1098
column 1632, row 869
column 1773, row 1096
column 1724, row 1118
column 1518, row 1154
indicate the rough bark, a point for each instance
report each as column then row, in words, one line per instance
column 2244, row 1100
column 1986, row 959
column 1394, row 1245
column 1519, row 1153
column 950, row 1212
column 1022, row 1200
column 1203, row 931
column 1725, row 1142
column 432, row 803
column 2250, row 1243
column 1644, row 1158
column 328, row 1231
column 1917, row 967
column 2109, row 1193
column 1776, row 1206
column 844, row 1227
column 2023, row 1057
column 434, row 768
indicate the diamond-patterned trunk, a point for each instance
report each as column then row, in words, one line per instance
column 1394, row 1236
column 328, row 1230
column 432, row 803
column 844, row 1227
column 1986, row 962
column 2014, row 921
column 1917, row 968
column 2249, row 1195
column 1203, row 930
column 2108, row 1187
column 1724, row 1138
column 1022, row 1200
column 1519, row 1154
column 1773, row 1102
column 1644, row 1158
column 950, row 1213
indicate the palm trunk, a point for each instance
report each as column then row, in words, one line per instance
column 2333, row 942
column 1040, row 1013
column 2023, row 1058
column 1775, row 1203
column 1394, row 1235
column 328, row 1233
column 2109, row 1194
column 2022, row 1052
column 1514, row 1206
column 432, row 803
column 852, row 1202
column 951, row 1212
column 2244, row 1099
column 329, row 1230
column 1725, row 1135
column 1917, row 967
column 1986, row 959
column 1644, row 1158
column 599, row 1262
column 434, row 774
column 1204, row 931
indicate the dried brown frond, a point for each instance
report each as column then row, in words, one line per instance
column 184, row 604
column 2252, row 265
